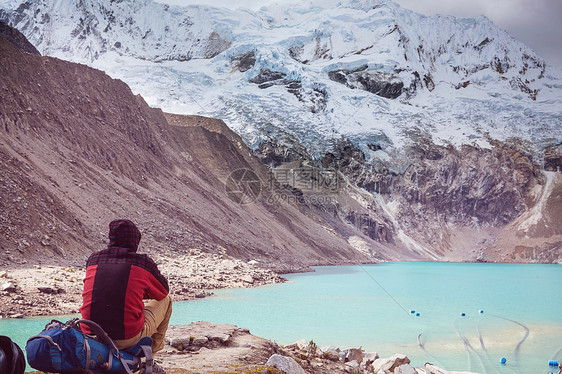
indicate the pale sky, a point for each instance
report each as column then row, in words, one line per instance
column 536, row 23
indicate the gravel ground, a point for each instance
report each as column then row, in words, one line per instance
column 35, row 290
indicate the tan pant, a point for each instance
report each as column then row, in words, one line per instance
column 157, row 316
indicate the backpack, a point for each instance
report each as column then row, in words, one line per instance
column 12, row 360
column 65, row 348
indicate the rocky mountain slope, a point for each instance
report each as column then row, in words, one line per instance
column 424, row 137
column 17, row 38
column 79, row 149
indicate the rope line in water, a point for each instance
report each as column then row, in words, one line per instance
column 518, row 346
column 480, row 337
column 483, row 345
column 384, row 289
column 401, row 307
column 487, row 354
column 468, row 347
column 465, row 341
column 556, row 355
column 422, row 346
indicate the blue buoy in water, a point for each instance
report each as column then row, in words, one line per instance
column 480, row 311
column 417, row 314
column 503, row 360
column 412, row 311
column 552, row 363
column 463, row 314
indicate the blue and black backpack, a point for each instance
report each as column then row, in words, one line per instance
column 65, row 348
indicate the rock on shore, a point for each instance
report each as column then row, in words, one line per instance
column 54, row 290
column 206, row 347
column 192, row 275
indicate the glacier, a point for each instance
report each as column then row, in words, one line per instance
column 444, row 129
column 369, row 71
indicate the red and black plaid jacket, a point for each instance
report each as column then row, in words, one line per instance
column 117, row 280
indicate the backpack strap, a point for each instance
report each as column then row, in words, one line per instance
column 147, row 350
column 99, row 332
column 142, row 348
column 46, row 337
column 144, row 344
column 88, row 353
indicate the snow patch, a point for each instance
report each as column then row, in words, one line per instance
column 534, row 216
column 360, row 245
column 408, row 241
column 456, row 71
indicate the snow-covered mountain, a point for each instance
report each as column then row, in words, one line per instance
column 445, row 124
column 367, row 70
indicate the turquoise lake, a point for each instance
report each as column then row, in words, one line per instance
column 511, row 310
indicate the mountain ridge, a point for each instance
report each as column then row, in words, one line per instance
column 443, row 151
column 79, row 148
column 322, row 52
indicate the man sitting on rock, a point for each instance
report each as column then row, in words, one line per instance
column 117, row 280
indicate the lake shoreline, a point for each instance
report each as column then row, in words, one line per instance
column 51, row 290
column 371, row 306
column 501, row 320
column 207, row 347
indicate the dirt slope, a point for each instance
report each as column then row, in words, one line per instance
column 78, row 149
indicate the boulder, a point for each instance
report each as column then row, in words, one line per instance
column 247, row 278
column 354, row 354
column 405, row 369
column 200, row 341
column 390, row 363
column 221, row 338
column 8, row 287
column 422, row 370
column 435, row 369
column 286, row 364
column 331, row 355
column 381, row 364
column 327, row 348
column 216, row 334
column 299, row 344
column 352, row 365
column 51, row 290
column 179, row 343
column 369, row 357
